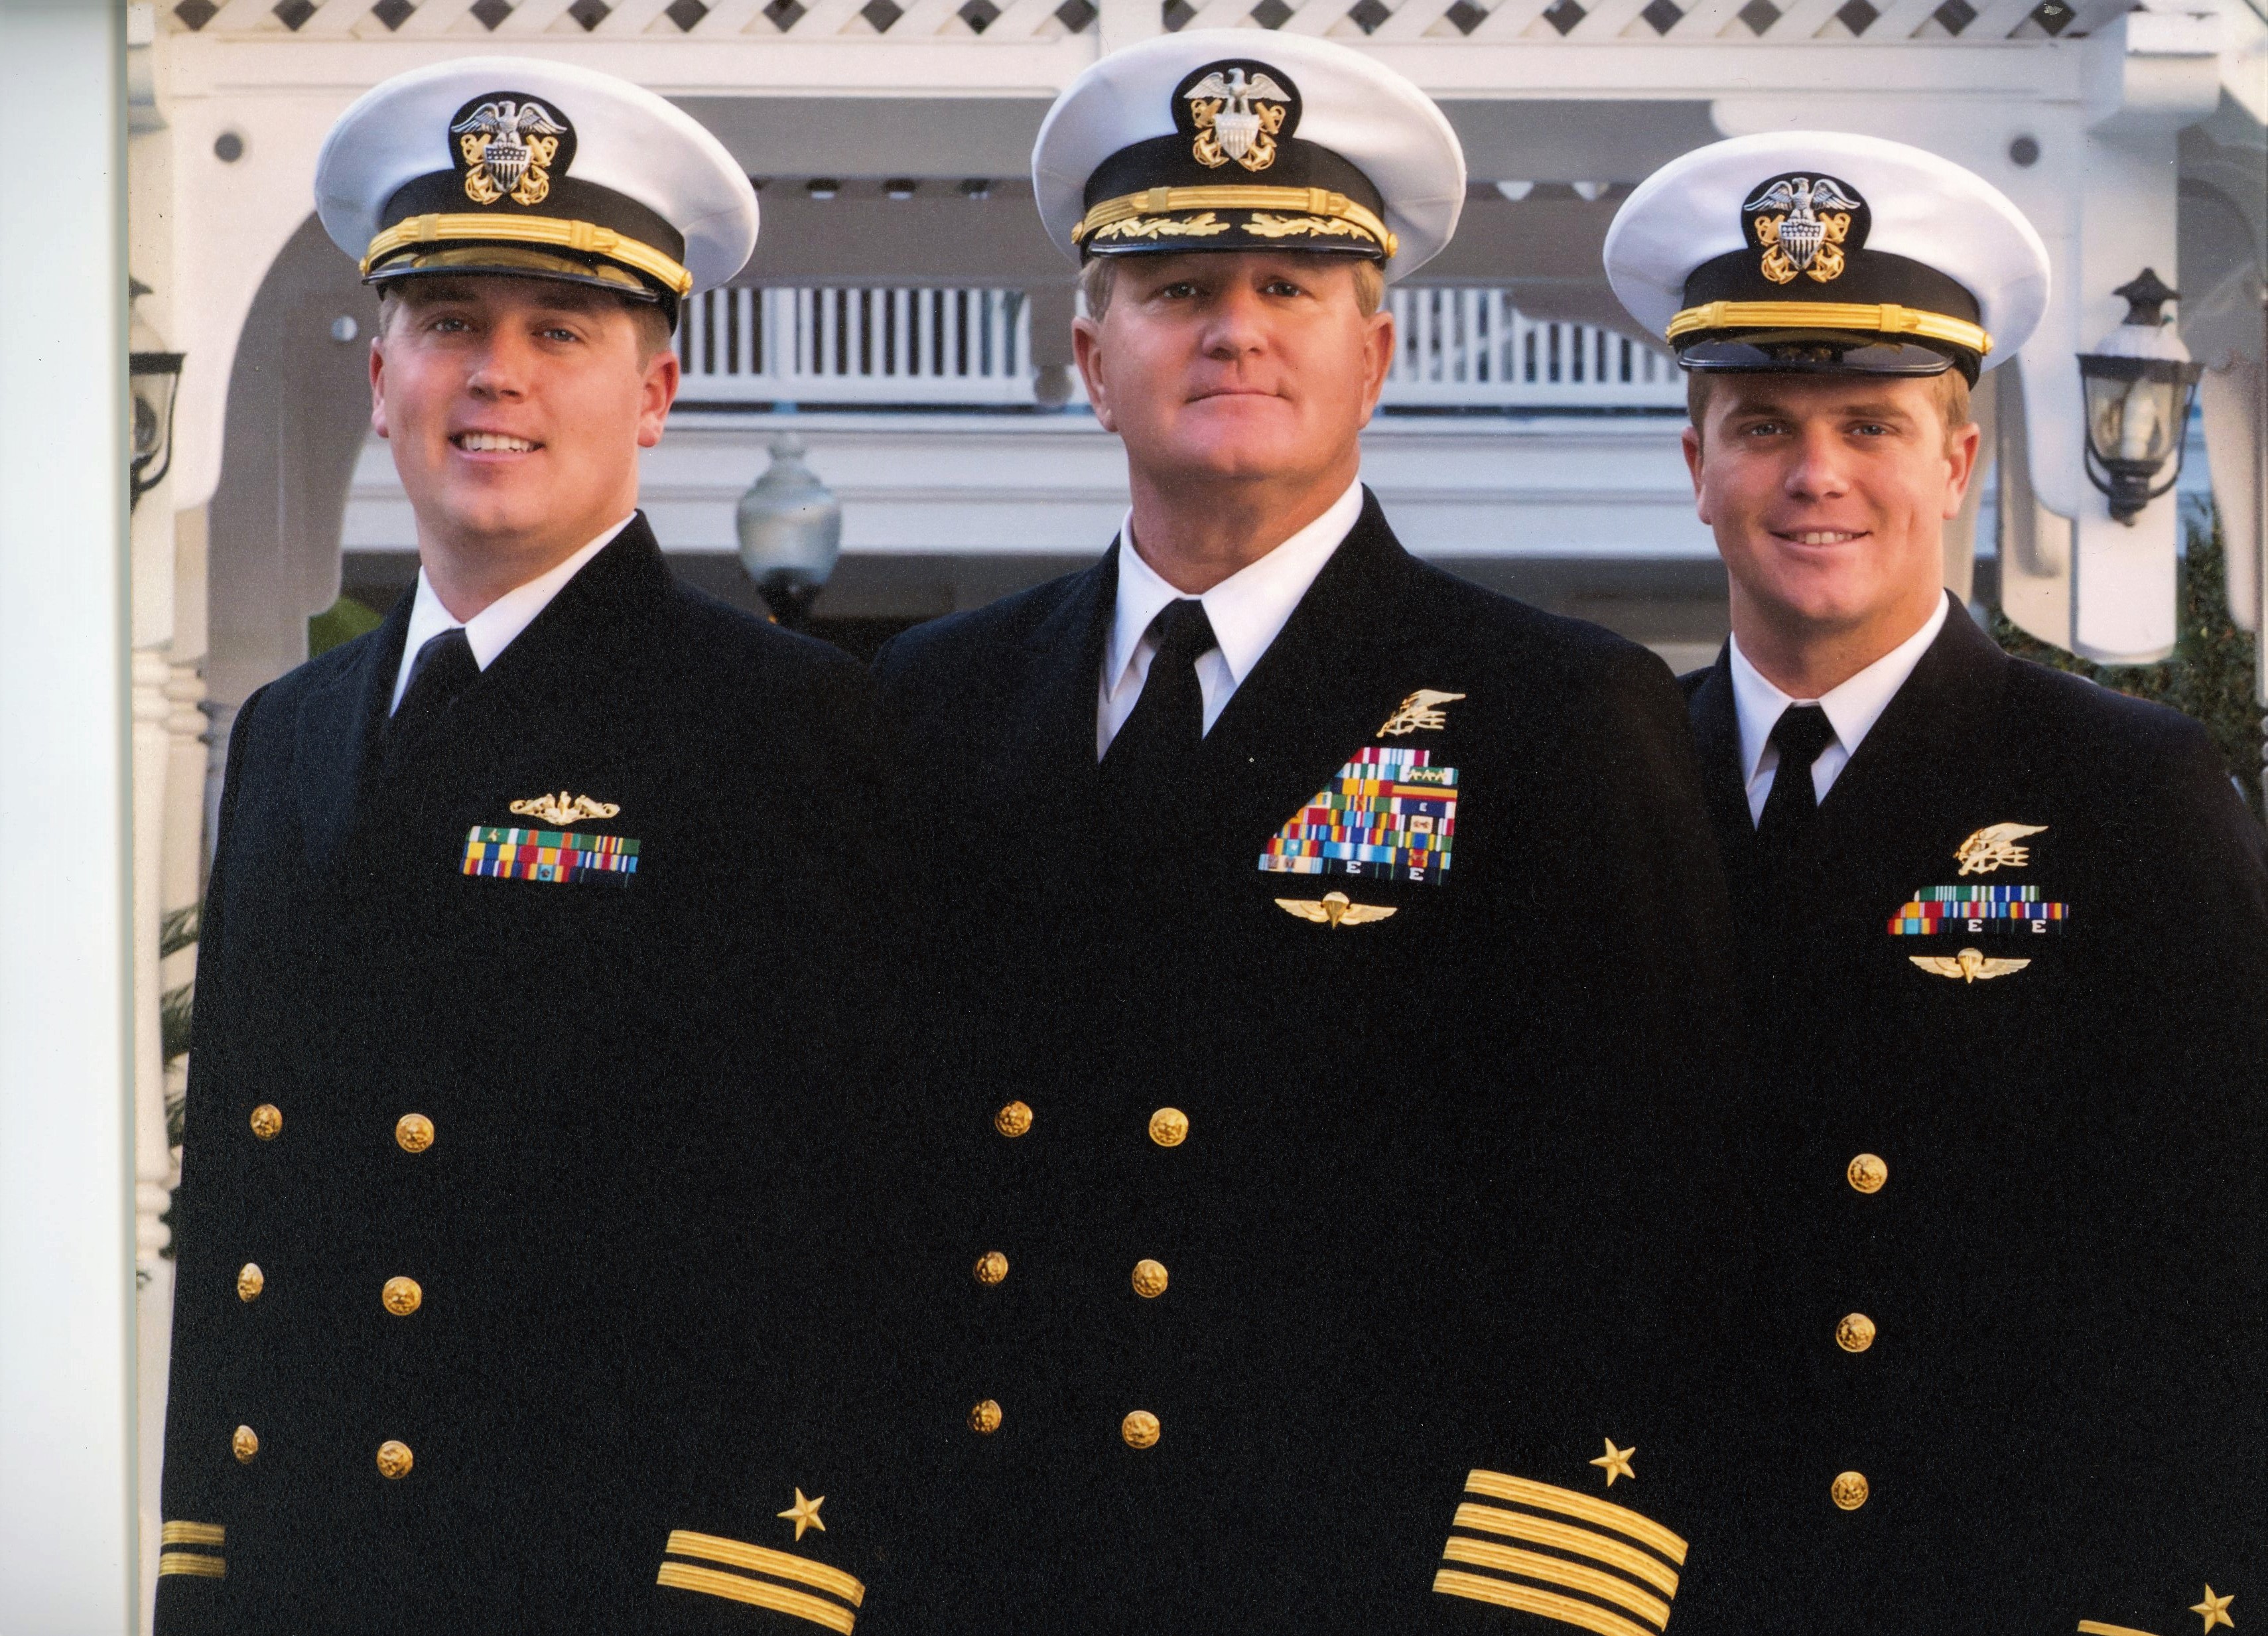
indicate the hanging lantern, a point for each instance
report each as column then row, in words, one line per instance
column 2140, row 384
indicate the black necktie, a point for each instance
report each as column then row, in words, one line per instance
column 1155, row 752
column 1802, row 732
column 444, row 668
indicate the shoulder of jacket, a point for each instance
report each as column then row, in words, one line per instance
column 974, row 635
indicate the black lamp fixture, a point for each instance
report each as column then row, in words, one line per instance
column 2140, row 384
column 153, row 380
column 791, row 529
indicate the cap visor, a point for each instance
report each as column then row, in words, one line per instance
column 508, row 262
column 1818, row 352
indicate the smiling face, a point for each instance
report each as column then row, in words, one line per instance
column 1239, row 367
column 516, row 407
column 1828, row 496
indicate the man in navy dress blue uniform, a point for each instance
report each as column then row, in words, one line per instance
column 1330, row 966
column 510, row 1216
column 2004, row 945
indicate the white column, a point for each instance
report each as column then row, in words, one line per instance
column 66, row 1216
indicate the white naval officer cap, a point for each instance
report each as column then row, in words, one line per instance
column 1819, row 252
column 531, row 169
column 1240, row 139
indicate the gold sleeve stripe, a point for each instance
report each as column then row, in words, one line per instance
column 584, row 237
column 1558, row 1571
column 1583, row 1508
column 757, row 1594
column 1547, row 1604
column 1885, row 318
column 193, row 1534
column 1560, row 1536
column 684, row 1542
column 190, row 1562
column 2096, row 1627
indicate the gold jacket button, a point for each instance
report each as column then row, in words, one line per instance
column 250, row 1281
column 402, row 1296
column 1140, row 1429
column 1149, row 1278
column 1849, row 1491
column 1169, row 1127
column 992, row 1267
column 985, row 1418
column 414, row 1131
column 244, row 1444
column 1855, row 1333
column 1013, row 1119
column 394, row 1460
column 1868, row 1172
column 266, row 1120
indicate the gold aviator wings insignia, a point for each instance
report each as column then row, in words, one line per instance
column 564, row 808
column 1969, row 965
column 1332, row 909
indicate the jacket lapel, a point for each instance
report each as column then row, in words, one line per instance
column 337, row 726
column 1938, row 724
column 1053, row 736
column 1320, row 691
column 1717, row 732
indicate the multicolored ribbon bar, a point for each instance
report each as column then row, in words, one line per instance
column 1389, row 814
column 1937, row 909
column 552, row 855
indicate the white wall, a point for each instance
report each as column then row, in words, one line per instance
column 66, row 1244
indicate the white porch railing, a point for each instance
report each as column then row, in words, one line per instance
column 948, row 347
column 1472, row 349
column 963, row 348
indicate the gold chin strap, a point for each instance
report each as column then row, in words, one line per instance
column 582, row 238
column 1887, row 319
column 1311, row 201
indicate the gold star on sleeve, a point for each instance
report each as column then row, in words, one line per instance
column 1616, row 1462
column 805, row 1514
column 2214, row 1610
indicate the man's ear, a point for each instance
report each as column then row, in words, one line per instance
column 1690, row 440
column 377, row 378
column 1961, row 452
column 656, row 392
column 1087, row 349
column 1378, row 357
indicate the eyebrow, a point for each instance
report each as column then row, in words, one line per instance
column 1879, row 410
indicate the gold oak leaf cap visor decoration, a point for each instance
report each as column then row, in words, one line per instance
column 1824, row 253
column 1239, row 139
column 522, row 168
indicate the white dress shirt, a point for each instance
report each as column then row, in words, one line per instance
column 1247, row 610
column 489, row 631
column 1852, row 707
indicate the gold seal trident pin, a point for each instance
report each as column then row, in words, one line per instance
column 1421, row 709
column 564, row 808
column 1994, row 847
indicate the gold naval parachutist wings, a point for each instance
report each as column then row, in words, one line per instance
column 1332, row 909
column 1969, row 965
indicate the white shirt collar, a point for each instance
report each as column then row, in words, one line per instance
column 492, row 630
column 1852, row 706
column 1247, row 609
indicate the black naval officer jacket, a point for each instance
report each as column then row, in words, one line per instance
column 1434, row 1197
column 622, row 1196
column 2057, row 1397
